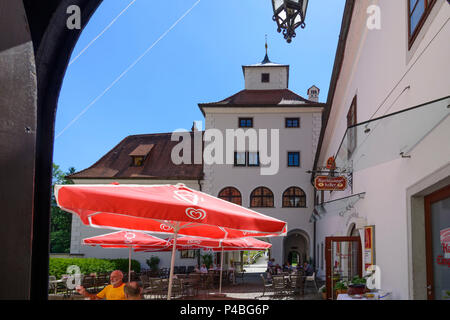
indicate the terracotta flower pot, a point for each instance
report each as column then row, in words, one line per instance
column 324, row 295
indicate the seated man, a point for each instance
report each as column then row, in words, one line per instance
column 114, row 291
column 132, row 291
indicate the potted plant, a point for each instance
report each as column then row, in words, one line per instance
column 153, row 263
column 323, row 290
column 341, row 287
column 207, row 259
column 357, row 286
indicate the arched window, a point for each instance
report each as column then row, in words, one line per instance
column 294, row 197
column 231, row 194
column 261, row 197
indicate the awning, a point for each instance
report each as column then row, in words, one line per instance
column 338, row 206
column 389, row 137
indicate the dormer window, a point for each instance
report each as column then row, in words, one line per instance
column 265, row 77
column 138, row 161
column 139, row 154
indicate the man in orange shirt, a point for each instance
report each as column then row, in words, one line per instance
column 114, row 291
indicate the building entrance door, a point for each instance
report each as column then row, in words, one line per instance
column 343, row 261
column 437, row 232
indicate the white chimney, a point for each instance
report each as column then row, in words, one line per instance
column 313, row 94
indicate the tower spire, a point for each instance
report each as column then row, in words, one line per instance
column 266, row 58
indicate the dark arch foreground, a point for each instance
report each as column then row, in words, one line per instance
column 35, row 48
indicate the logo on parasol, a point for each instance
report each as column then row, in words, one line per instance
column 196, row 214
column 129, row 236
column 164, row 227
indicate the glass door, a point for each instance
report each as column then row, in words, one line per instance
column 437, row 226
column 343, row 262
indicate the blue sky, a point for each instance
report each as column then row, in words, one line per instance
column 198, row 61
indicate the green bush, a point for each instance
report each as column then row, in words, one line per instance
column 122, row 265
column 58, row 266
column 153, row 263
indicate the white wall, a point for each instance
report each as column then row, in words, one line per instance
column 246, row 179
column 278, row 78
column 377, row 63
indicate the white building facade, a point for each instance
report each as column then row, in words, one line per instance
column 400, row 163
column 285, row 192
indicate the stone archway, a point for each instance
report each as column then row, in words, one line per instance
column 296, row 245
column 34, row 55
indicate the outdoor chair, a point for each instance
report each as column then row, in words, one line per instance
column 240, row 275
column 266, row 285
column 279, row 285
column 145, row 281
column 296, row 284
column 182, row 270
column 177, row 288
column 190, row 269
column 101, row 281
column 164, row 273
column 89, row 283
column 312, row 279
column 52, row 284
column 157, row 288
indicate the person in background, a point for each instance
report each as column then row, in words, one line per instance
column 114, row 291
column 308, row 269
column 133, row 291
column 197, row 269
column 278, row 269
column 203, row 269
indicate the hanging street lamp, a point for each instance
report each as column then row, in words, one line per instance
column 289, row 14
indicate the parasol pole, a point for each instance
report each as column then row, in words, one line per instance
column 172, row 262
column 129, row 265
column 221, row 267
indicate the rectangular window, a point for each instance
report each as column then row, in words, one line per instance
column 292, row 122
column 418, row 11
column 138, row 161
column 188, row 254
column 351, row 121
column 253, row 159
column 240, row 159
column 293, row 159
column 265, row 77
column 245, row 122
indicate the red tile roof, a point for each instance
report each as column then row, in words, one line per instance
column 261, row 98
column 117, row 163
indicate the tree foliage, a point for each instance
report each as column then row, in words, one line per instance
column 60, row 221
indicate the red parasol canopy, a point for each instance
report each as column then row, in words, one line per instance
column 164, row 208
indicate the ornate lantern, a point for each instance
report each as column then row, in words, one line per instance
column 289, row 14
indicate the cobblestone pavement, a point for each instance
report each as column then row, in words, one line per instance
column 252, row 288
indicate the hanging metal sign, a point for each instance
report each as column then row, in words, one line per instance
column 326, row 183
